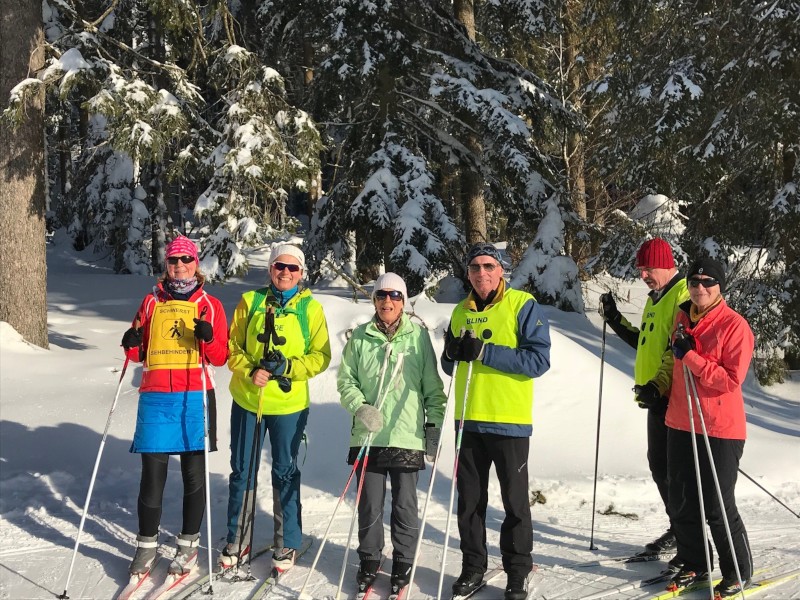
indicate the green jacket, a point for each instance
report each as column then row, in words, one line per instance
column 308, row 347
column 416, row 396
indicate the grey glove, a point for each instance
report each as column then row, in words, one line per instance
column 432, row 436
column 371, row 417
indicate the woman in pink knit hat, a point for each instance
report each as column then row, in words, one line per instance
column 177, row 332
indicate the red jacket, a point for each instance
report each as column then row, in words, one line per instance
column 719, row 364
column 216, row 351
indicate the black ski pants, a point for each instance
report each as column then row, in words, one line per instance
column 685, row 503
column 510, row 458
column 657, row 453
column 403, row 521
column 151, row 491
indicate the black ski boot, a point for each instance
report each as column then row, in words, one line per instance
column 517, row 587
column 686, row 577
column 467, row 582
column 401, row 575
column 662, row 545
column 367, row 573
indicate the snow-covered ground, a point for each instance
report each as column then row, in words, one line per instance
column 55, row 405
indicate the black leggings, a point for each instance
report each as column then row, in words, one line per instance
column 151, row 491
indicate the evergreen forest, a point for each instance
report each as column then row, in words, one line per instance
column 392, row 133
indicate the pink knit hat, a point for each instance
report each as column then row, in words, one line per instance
column 655, row 254
column 182, row 246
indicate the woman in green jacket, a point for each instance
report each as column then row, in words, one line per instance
column 403, row 407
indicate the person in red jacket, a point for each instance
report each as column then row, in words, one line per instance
column 716, row 344
column 178, row 330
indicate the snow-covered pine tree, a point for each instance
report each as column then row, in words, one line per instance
column 711, row 119
column 133, row 107
column 160, row 106
column 409, row 89
column 265, row 148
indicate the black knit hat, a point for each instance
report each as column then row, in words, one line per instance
column 483, row 249
column 709, row 267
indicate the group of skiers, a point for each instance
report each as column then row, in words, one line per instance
column 497, row 342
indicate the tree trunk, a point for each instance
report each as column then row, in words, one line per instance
column 574, row 150
column 472, row 198
column 315, row 188
column 792, row 252
column 23, row 259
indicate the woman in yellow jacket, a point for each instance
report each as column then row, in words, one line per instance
column 274, row 387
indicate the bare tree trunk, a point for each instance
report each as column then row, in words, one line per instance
column 315, row 188
column 64, row 154
column 792, row 251
column 156, row 207
column 471, row 181
column 23, row 258
column 574, row 149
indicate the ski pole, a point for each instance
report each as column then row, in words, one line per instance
column 378, row 404
column 64, row 596
column 688, row 373
column 697, row 471
column 249, row 521
column 430, row 485
column 597, row 437
column 769, row 494
column 453, row 482
column 361, row 452
column 206, row 444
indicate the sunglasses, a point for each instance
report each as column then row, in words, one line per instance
column 173, row 260
column 488, row 267
column 706, row 283
column 394, row 295
column 292, row 268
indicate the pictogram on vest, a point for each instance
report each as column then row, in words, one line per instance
column 172, row 344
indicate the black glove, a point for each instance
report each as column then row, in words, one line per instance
column 608, row 307
column 203, row 330
column 648, row 396
column 471, row 348
column 453, row 348
column 133, row 338
column 275, row 362
column 682, row 344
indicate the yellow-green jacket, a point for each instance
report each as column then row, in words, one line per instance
column 516, row 338
column 307, row 347
column 652, row 340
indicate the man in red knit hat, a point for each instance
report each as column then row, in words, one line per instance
column 653, row 367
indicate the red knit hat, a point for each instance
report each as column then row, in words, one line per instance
column 181, row 246
column 655, row 254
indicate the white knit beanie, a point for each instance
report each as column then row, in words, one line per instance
column 390, row 281
column 290, row 250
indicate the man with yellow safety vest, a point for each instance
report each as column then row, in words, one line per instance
column 504, row 334
column 652, row 372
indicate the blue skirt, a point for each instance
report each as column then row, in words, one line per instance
column 169, row 422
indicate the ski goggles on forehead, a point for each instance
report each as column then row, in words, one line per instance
column 173, row 260
column 291, row 267
column 706, row 283
column 393, row 294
